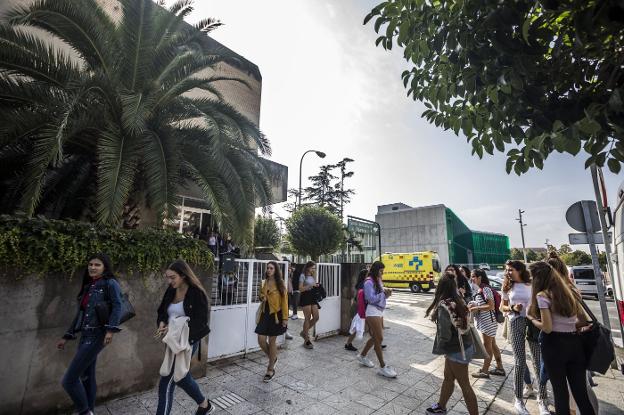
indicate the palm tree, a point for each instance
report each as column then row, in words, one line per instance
column 109, row 121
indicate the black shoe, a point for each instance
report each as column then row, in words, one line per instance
column 383, row 346
column 350, row 347
column 205, row 411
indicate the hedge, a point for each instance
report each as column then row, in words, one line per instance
column 42, row 246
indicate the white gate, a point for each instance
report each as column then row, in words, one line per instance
column 235, row 298
column 329, row 314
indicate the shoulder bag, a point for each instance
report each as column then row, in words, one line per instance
column 597, row 344
column 103, row 310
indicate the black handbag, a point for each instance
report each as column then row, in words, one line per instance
column 597, row 344
column 103, row 310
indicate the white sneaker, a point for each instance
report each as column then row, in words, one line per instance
column 294, row 317
column 520, row 407
column 387, row 372
column 543, row 407
column 528, row 392
column 289, row 336
column 365, row 361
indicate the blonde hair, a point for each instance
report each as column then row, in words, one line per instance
column 547, row 280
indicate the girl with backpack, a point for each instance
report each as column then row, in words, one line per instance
column 98, row 286
column 557, row 312
column 484, row 308
column 360, row 304
column 516, row 300
column 375, row 296
column 453, row 340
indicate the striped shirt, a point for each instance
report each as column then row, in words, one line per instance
column 485, row 321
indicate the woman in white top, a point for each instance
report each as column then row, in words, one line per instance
column 516, row 300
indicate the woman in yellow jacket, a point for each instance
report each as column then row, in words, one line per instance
column 272, row 320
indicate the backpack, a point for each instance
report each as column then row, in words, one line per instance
column 496, row 313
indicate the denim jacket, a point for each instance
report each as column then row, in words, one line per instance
column 104, row 290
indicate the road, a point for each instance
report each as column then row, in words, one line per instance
column 423, row 300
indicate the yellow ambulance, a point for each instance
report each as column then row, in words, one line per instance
column 417, row 271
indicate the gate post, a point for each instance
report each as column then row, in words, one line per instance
column 349, row 275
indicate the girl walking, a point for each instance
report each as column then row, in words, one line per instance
column 483, row 309
column 185, row 297
column 375, row 296
column 98, row 286
column 452, row 340
column 463, row 285
column 273, row 316
column 557, row 312
column 307, row 301
column 359, row 305
column 516, row 299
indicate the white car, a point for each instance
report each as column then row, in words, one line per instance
column 484, row 267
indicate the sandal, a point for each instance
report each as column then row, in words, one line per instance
column 497, row 372
column 267, row 378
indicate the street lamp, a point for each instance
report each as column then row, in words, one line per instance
column 318, row 153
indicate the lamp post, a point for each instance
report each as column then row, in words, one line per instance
column 318, row 153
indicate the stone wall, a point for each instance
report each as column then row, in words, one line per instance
column 35, row 313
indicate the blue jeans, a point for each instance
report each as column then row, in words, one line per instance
column 79, row 380
column 166, row 387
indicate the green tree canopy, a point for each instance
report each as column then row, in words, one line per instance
column 577, row 257
column 266, row 233
column 516, row 254
column 314, row 231
column 526, row 77
column 113, row 120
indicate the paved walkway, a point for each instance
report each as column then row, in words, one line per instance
column 328, row 380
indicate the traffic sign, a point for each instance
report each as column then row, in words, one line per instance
column 576, row 218
column 582, row 239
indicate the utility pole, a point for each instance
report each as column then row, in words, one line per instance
column 522, row 225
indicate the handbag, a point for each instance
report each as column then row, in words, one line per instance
column 506, row 328
column 103, row 310
column 480, row 352
column 259, row 312
column 597, row 344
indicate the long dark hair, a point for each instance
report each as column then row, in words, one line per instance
column 522, row 270
column 447, row 289
column 361, row 277
column 180, row 267
column 546, row 280
column 376, row 274
column 481, row 274
column 277, row 276
column 107, row 274
column 557, row 263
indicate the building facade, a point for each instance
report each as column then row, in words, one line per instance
column 437, row 228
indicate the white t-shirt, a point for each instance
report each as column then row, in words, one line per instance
column 307, row 280
column 520, row 293
column 176, row 310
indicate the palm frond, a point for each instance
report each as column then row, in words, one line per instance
column 83, row 25
column 25, row 55
column 117, row 166
column 137, row 40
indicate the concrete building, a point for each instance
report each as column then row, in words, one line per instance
column 438, row 228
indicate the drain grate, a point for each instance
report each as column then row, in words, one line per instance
column 227, row 401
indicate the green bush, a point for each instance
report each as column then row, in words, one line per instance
column 314, row 231
column 42, row 246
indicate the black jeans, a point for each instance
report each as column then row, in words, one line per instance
column 565, row 362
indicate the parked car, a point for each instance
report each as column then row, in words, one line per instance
column 496, row 284
column 484, row 267
column 585, row 280
column 609, row 289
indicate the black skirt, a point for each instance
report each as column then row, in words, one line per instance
column 267, row 325
column 308, row 298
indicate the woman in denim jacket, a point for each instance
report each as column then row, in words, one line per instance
column 98, row 286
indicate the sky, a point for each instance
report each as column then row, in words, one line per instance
column 325, row 86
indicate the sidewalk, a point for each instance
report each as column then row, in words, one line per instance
column 328, row 380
